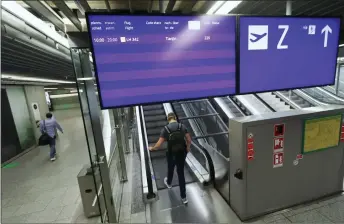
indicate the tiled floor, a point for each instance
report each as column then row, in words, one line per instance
column 41, row 191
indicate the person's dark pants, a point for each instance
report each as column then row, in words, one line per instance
column 176, row 159
column 52, row 144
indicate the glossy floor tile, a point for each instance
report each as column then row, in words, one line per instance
column 41, row 191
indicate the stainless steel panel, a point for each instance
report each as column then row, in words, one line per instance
column 266, row 189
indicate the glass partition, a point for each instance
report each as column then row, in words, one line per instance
column 106, row 139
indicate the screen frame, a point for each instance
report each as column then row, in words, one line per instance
column 239, row 92
column 236, row 46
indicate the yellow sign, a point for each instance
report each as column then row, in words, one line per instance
column 321, row 133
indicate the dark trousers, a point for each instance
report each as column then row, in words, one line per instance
column 178, row 160
column 52, row 144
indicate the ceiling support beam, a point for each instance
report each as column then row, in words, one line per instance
column 170, row 6
column 83, row 4
column 130, row 6
column 44, row 10
column 150, row 6
column 187, row 5
column 61, row 5
column 108, row 7
column 161, row 6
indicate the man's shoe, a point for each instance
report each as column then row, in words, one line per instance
column 53, row 159
column 167, row 185
column 185, row 201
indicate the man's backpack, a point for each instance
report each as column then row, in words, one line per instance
column 176, row 140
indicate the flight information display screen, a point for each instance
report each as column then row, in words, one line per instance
column 287, row 52
column 150, row 59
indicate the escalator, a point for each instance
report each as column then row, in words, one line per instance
column 155, row 119
column 293, row 97
column 235, row 109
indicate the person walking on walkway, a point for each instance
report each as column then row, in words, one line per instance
column 49, row 127
column 178, row 144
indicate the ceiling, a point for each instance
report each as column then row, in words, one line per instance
column 69, row 15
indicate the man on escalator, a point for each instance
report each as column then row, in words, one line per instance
column 178, row 144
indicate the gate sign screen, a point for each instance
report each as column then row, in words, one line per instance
column 287, row 52
column 151, row 59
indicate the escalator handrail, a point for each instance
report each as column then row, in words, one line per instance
column 224, row 107
column 265, row 103
column 145, row 154
column 288, row 100
column 309, row 98
column 237, row 107
column 328, row 93
column 141, row 146
column 209, row 161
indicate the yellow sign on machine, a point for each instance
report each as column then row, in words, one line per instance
column 321, row 133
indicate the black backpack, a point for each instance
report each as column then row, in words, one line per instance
column 176, row 140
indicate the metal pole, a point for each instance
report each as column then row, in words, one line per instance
column 125, row 129
column 337, row 78
column 120, row 143
column 288, row 8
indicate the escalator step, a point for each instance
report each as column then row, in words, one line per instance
column 154, row 131
column 153, row 138
column 155, row 118
column 154, row 112
column 155, row 124
column 153, row 107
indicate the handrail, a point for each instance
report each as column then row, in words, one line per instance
column 249, row 101
column 310, row 99
column 330, row 94
column 146, row 167
column 263, row 102
column 142, row 154
column 209, row 161
column 224, row 107
column 287, row 100
column 237, row 107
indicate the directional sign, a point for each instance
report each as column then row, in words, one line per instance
column 287, row 52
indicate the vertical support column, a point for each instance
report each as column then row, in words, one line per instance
column 337, row 79
column 125, row 129
column 288, row 8
column 98, row 138
column 120, row 143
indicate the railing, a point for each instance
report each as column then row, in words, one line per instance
column 148, row 180
column 309, row 98
column 253, row 104
column 329, row 97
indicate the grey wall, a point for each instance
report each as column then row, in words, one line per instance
column 36, row 94
column 20, row 113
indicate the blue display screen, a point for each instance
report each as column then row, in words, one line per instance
column 287, row 52
column 149, row 59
